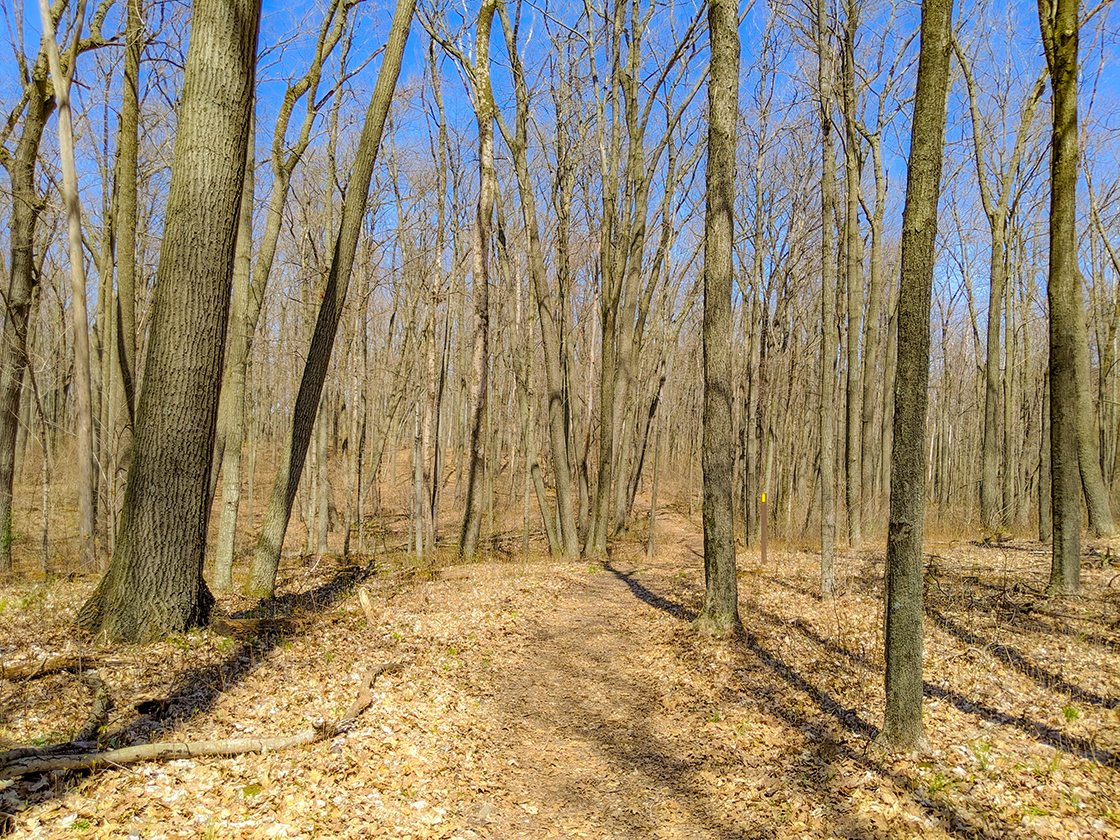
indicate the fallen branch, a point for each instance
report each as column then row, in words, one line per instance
column 42, row 762
column 50, row 665
column 99, row 709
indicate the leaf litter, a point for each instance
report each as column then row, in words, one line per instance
column 545, row 699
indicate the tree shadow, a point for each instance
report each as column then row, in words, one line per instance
column 647, row 596
column 1040, row 732
column 752, row 650
column 197, row 689
column 1016, row 660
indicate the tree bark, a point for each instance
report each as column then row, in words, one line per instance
column 720, row 612
column 902, row 725
column 853, row 169
column 828, row 309
column 154, row 583
column 266, row 560
column 1058, row 23
column 83, row 394
column 485, row 113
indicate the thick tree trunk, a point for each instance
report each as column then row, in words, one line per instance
column 1058, row 22
column 154, row 584
column 902, row 724
column 266, row 560
column 720, row 613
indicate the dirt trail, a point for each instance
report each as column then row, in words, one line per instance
column 582, row 709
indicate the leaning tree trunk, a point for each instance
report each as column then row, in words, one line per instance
column 232, row 402
column 720, row 613
column 902, row 723
column 266, row 560
column 551, row 346
column 1058, row 22
column 154, row 584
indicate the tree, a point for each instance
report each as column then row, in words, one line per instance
column 154, row 583
column 485, row 112
column 828, row 309
column 902, row 725
column 720, row 613
column 996, row 209
column 62, row 80
column 248, row 291
column 266, row 559
column 1058, row 23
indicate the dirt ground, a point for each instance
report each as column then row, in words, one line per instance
column 541, row 699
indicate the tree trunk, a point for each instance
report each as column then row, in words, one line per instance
column 232, row 402
column 485, row 112
column 1058, row 22
column 853, row 169
column 266, row 560
column 23, row 281
column 828, row 309
column 154, row 583
column 551, row 347
column 720, row 613
column 902, row 724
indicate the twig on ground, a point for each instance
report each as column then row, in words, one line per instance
column 22, row 763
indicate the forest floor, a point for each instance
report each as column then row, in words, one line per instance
column 541, row 699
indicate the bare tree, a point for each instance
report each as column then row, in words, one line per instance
column 154, row 583
column 266, row 559
column 1058, row 21
column 902, row 724
column 720, row 612
column 827, row 465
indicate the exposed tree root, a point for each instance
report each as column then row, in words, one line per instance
column 25, row 761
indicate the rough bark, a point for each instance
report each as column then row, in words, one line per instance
column 902, row 724
column 262, row 578
column 1058, row 23
column 720, row 612
column 154, row 583
column 231, row 408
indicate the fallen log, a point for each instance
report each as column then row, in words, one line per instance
column 51, row 665
column 43, row 761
